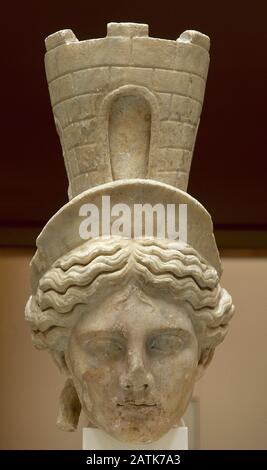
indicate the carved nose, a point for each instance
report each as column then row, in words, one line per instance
column 136, row 377
column 129, row 384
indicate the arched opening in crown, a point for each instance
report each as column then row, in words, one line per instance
column 128, row 132
column 129, row 136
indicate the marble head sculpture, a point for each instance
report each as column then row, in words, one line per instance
column 131, row 320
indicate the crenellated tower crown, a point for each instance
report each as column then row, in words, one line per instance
column 127, row 105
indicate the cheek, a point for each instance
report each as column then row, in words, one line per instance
column 102, row 379
column 174, row 374
column 99, row 381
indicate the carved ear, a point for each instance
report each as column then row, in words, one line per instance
column 69, row 408
column 205, row 358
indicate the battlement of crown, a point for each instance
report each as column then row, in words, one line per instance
column 126, row 44
column 97, row 85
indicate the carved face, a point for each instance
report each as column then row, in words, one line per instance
column 134, row 359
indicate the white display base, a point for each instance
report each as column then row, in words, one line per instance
column 95, row 439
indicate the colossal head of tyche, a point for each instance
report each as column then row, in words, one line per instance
column 126, row 292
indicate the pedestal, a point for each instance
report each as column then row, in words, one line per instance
column 95, row 439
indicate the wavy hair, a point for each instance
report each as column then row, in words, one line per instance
column 102, row 266
column 77, row 277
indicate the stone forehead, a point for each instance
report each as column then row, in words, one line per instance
column 119, row 311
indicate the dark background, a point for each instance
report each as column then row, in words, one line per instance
column 228, row 174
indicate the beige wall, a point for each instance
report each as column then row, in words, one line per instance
column 232, row 395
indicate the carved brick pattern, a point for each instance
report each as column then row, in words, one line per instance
column 81, row 74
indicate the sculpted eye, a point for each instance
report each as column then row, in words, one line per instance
column 167, row 343
column 104, row 348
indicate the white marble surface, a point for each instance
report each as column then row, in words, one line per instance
column 175, row 439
